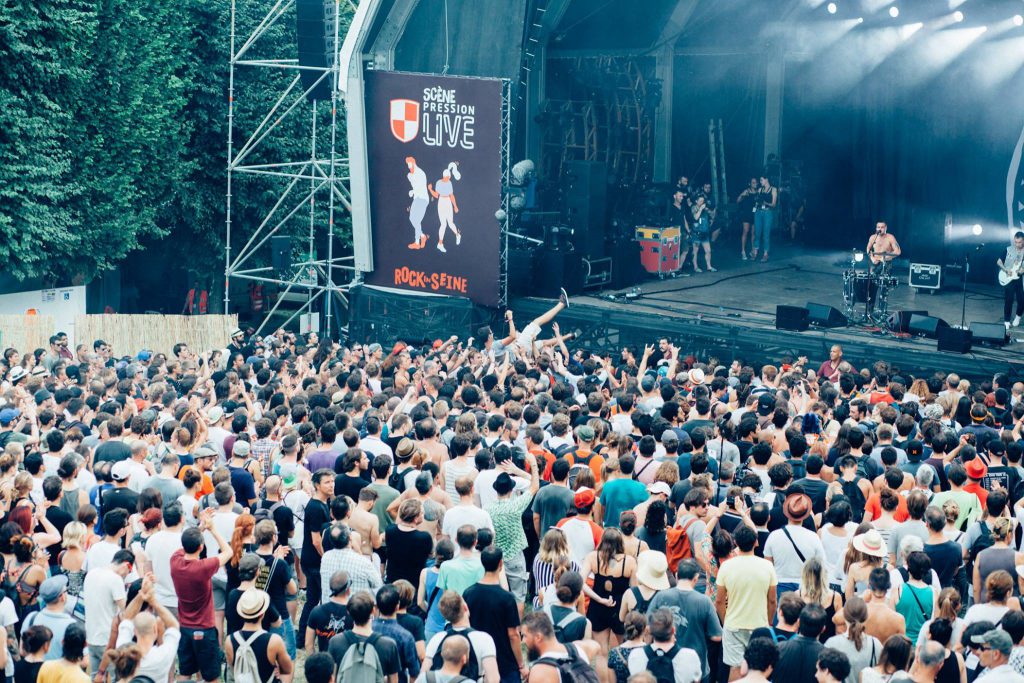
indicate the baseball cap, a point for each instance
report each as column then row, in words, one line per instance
column 240, row 449
column 214, row 414
column 765, row 404
column 996, row 639
column 121, row 471
column 9, row 415
column 584, row 497
column 585, row 432
column 144, row 355
column 669, row 435
column 41, row 396
column 52, row 588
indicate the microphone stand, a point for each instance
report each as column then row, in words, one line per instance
column 963, row 303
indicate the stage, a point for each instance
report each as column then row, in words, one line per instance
column 731, row 313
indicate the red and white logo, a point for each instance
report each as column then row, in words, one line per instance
column 405, row 119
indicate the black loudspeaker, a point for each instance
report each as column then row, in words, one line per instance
column 926, row 326
column 281, row 255
column 314, row 24
column 957, row 341
column 990, row 333
column 627, row 270
column 792, row 318
column 520, row 271
column 586, row 202
column 555, row 269
column 899, row 321
column 824, row 315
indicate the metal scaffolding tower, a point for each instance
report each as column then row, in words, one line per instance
column 325, row 171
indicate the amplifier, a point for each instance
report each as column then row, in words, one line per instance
column 925, row 276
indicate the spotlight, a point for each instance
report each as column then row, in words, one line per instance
column 860, row 20
column 976, row 229
column 858, row 256
column 958, row 16
column 894, row 11
column 1018, row 20
column 832, row 8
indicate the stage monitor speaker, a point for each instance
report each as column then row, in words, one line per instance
column 989, row 333
column 926, row 326
column 281, row 255
column 314, row 24
column 899, row 321
column 585, row 184
column 824, row 315
column 957, row 341
column 792, row 318
column 555, row 269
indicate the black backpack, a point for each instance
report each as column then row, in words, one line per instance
column 267, row 513
column 471, row 670
column 565, row 628
column 573, row 669
column 856, row 497
column 397, row 478
column 660, row 665
column 983, row 541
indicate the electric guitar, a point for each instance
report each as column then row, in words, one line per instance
column 1006, row 278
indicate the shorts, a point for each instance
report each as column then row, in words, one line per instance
column 199, row 652
column 734, row 645
column 220, row 594
column 527, row 336
column 515, row 572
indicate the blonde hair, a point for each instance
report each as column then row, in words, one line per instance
column 553, row 546
column 949, row 604
column 74, row 536
column 814, row 580
column 667, row 472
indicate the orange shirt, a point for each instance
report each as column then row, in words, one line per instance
column 205, row 488
column 874, row 506
column 977, row 490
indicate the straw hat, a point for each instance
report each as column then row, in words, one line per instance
column 652, row 570
column 253, row 604
column 870, row 543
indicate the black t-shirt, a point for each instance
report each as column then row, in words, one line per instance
column 114, row 451
column 243, row 483
column 120, row 498
column 59, row 519
column 946, row 559
column 387, row 650
column 273, row 577
column 233, row 622
column 284, row 518
column 328, row 620
column 317, row 515
column 816, row 489
column 412, row 624
column 26, row 672
column 350, row 486
column 493, row 610
column 407, row 554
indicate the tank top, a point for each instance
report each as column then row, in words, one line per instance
column 642, row 603
column 606, row 585
column 915, row 605
column 259, row 648
column 950, row 671
column 992, row 560
column 453, row 472
column 69, row 502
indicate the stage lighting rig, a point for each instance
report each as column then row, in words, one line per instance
column 976, row 229
column 832, row 8
column 1018, row 20
column 894, row 12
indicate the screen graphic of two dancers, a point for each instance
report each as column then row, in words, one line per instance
column 443, row 191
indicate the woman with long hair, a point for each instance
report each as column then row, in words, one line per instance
column 428, row 595
column 867, row 552
column 242, row 540
column 861, row 649
column 814, row 589
column 918, row 392
column 655, row 522
column 613, row 572
column 630, row 543
column 1000, row 555
column 895, row 657
column 949, row 609
column 634, row 627
column 554, row 550
column 71, row 561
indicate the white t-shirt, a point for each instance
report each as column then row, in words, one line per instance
column 224, row 523
column 483, row 647
column 101, row 590
column 8, row 617
column 52, row 463
column 296, row 501
column 159, row 548
column 484, row 487
column 461, row 515
column 788, row 565
column 139, row 477
column 159, row 660
column 189, row 505
column 100, row 555
column 686, row 663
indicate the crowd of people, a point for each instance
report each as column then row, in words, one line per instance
column 503, row 509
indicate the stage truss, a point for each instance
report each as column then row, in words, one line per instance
column 325, row 171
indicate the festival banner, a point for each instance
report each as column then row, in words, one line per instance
column 434, row 157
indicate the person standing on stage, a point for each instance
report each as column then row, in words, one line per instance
column 746, row 205
column 701, row 233
column 882, row 247
column 1011, row 264
column 766, row 203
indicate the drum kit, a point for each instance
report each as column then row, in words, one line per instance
column 869, row 287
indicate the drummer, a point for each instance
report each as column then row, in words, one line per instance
column 882, row 248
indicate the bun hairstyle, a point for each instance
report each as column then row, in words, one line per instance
column 23, row 548
column 627, row 522
column 570, row 585
column 635, row 624
column 126, row 660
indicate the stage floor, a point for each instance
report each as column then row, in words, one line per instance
column 741, row 298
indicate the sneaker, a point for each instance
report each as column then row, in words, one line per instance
column 440, row 248
column 1007, row 324
column 743, row 255
column 1016, row 321
column 563, row 297
column 458, row 238
column 712, row 270
column 697, row 270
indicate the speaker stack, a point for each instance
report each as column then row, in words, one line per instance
column 989, row 333
column 926, row 326
column 314, row 24
column 823, row 315
column 792, row 318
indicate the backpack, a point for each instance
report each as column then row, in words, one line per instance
column 564, row 623
column 578, row 465
column 361, row 663
column 852, row 491
column 267, row 513
column 245, row 668
column 866, row 467
column 660, row 665
column 983, row 541
column 397, row 478
column 471, row 670
column 677, row 544
column 573, row 669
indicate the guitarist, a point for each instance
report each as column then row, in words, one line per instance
column 882, row 248
column 1011, row 264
